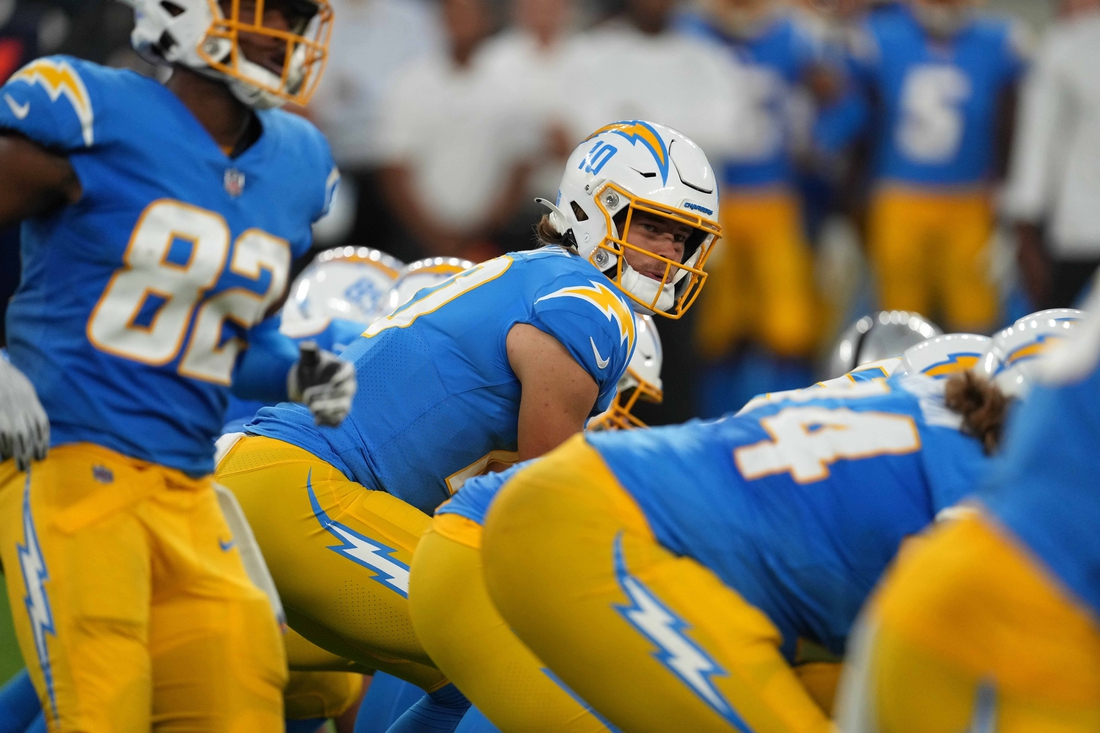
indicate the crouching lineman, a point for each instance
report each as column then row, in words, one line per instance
column 666, row 575
column 990, row 622
column 160, row 222
column 498, row 364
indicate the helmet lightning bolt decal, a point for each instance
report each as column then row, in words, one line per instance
column 362, row 550
column 637, row 131
column 953, row 364
column 1028, row 351
column 37, row 602
column 658, row 623
column 607, row 302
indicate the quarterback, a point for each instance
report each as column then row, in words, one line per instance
column 159, row 224
column 498, row 364
column 666, row 576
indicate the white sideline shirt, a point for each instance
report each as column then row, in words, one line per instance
column 1055, row 171
column 534, row 77
column 616, row 72
column 372, row 41
column 460, row 131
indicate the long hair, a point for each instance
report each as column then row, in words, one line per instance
column 982, row 405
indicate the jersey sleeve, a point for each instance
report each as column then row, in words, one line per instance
column 261, row 372
column 52, row 101
column 594, row 323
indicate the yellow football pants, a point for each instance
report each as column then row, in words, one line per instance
column 760, row 285
column 931, row 254
column 132, row 609
column 311, row 695
column 339, row 555
column 653, row 641
column 471, row 644
column 970, row 633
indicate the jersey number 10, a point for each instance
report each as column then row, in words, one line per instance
column 150, row 281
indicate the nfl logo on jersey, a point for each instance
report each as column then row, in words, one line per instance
column 234, row 182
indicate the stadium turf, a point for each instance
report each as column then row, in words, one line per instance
column 10, row 661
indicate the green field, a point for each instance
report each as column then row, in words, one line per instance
column 10, row 661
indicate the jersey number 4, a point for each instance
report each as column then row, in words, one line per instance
column 806, row 440
column 147, row 309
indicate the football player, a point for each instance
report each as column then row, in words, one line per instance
column 450, row 608
column 498, row 364
column 990, row 622
column 159, row 224
column 666, row 576
column 942, row 78
column 766, row 293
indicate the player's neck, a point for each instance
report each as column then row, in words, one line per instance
column 224, row 116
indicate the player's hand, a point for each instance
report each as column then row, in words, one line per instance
column 24, row 427
column 324, row 382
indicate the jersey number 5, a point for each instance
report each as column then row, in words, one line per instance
column 805, row 440
column 932, row 124
column 146, row 310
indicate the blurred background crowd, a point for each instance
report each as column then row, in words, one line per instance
column 938, row 156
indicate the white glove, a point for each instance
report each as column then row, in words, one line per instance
column 324, row 382
column 24, row 427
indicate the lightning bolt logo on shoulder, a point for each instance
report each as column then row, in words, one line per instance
column 59, row 79
column 33, row 566
column 607, row 302
column 679, row 654
column 362, row 550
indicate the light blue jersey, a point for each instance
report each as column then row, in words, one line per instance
column 1047, row 492
column 939, row 99
column 800, row 504
column 438, row 400
column 138, row 301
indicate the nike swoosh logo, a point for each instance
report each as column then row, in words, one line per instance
column 227, row 546
column 19, row 110
column 600, row 361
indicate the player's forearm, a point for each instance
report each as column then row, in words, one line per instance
column 262, row 371
column 33, row 180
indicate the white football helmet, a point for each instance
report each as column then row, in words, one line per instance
column 1012, row 358
column 425, row 273
column 640, row 381
column 198, row 35
column 346, row 282
column 635, row 167
column 942, row 356
column 876, row 337
column 1057, row 314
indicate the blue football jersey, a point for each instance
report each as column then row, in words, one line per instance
column 137, row 301
column 437, row 399
column 477, row 494
column 801, row 504
column 773, row 62
column 334, row 335
column 939, row 99
column 1046, row 491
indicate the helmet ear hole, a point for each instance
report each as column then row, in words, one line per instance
column 578, row 211
column 171, row 8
